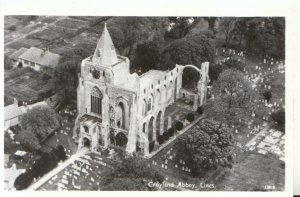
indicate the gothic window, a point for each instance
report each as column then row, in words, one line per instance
column 144, row 107
column 96, row 74
column 86, row 129
column 120, row 116
column 149, row 104
column 96, row 101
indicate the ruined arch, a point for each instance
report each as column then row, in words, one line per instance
column 123, row 113
column 191, row 75
column 86, row 142
column 159, row 123
column 120, row 115
column 121, row 139
column 151, row 129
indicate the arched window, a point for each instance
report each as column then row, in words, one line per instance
column 120, row 116
column 96, row 101
column 149, row 104
column 144, row 107
column 86, row 129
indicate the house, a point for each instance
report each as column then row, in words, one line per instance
column 39, row 59
column 12, row 114
column 15, row 56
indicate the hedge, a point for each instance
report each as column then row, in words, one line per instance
column 160, row 139
column 171, row 132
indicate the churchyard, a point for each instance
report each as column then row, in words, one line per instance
column 83, row 174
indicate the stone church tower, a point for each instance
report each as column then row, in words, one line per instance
column 119, row 109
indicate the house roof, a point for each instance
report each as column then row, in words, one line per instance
column 18, row 53
column 11, row 111
column 42, row 57
column 105, row 53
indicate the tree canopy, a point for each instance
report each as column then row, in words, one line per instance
column 36, row 125
column 207, row 147
column 233, row 95
column 131, row 173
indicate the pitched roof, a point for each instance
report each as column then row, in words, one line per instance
column 39, row 56
column 12, row 111
column 16, row 55
column 105, row 53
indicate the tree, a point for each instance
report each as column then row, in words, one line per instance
column 206, row 148
column 160, row 139
column 211, row 22
column 130, row 173
column 138, row 29
column 171, row 132
column 8, row 143
column 234, row 64
column 190, row 117
column 166, row 136
column 36, row 125
column 214, row 71
column 23, row 181
column 226, row 26
column 233, row 96
column 28, row 139
column 178, row 125
column 268, row 95
column 146, row 56
column 200, row 110
column 194, row 49
column 60, row 153
column 279, row 117
column 263, row 35
column 181, row 26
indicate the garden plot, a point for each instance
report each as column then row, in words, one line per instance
column 25, row 84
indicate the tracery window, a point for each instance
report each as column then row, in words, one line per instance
column 96, row 101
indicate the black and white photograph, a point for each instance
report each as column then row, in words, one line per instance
column 144, row 103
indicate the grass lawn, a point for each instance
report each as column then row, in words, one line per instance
column 253, row 173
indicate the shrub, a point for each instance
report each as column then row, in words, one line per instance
column 190, row 117
column 151, row 146
column 166, row 136
column 178, row 126
column 160, row 139
column 279, row 117
column 171, row 132
column 200, row 110
column 267, row 95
